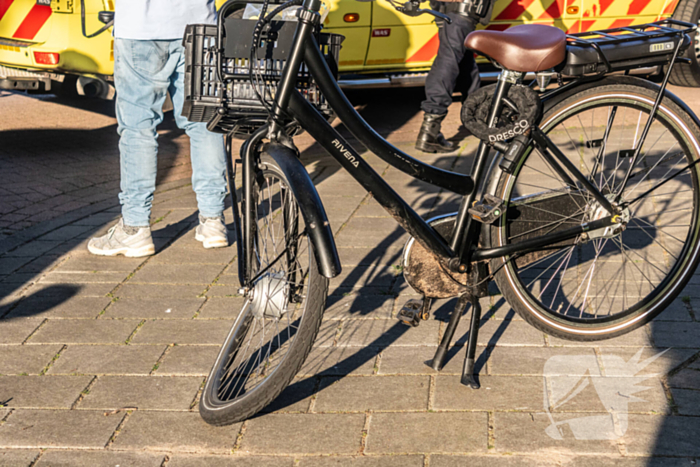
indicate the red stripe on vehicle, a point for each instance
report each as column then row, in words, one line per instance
column 514, row 10
column 554, row 10
column 34, row 21
column 621, row 23
column 637, row 6
column 427, row 52
column 667, row 11
column 604, row 4
column 4, row 6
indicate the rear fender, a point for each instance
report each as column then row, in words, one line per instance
column 317, row 224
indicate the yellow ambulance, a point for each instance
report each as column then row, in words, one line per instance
column 45, row 42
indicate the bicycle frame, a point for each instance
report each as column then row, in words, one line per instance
column 461, row 251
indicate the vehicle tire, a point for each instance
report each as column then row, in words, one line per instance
column 598, row 285
column 688, row 74
column 251, row 369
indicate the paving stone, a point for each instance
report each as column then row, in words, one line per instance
column 90, row 263
column 496, row 393
column 376, row 279
column 364, row 461
column 490, row 461
column 150, row 291
column 304, row 434
column 58, row 307
column 652, row 361
column 356, row 306
column 57, row 428
column 676, row 311
column 517, row 432
column 688, row 401
column 85, row 331
column 99, row 459
column 531, row 360
column 659, row 435
column 439, row 432
column 145, row 393
column 385, row 332
column 162, row 308
column 178, row 253
column 42, row 290
column 29, row 359
column 619, row 461
column 44, row 263
column 188, row 360
column 77, row 277
column 294, row 398
column 183, row 332
column 365, row 256
column 687, row 378
column 18, row 458
column 68, row 232
column 15, row 331
column 635, row 394
column 168, row 274
column 180, row 460
column 107, row 359
column 174, row 431
column 41, row 391
column 34, row 248
column 222, row 307
column 340, row 361
column 667, row 334
column 494, row 332
column 637, row 338
column 373, row 393
column 10, row 264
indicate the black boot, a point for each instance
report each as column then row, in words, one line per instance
column 430, row 139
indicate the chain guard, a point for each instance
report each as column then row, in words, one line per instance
column 422, row 270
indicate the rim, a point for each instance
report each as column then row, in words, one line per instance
column 590, row 292
column 265, row 330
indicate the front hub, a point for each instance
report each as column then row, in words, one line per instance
column 269, row 297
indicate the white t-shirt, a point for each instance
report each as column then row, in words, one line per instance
column 160, row 19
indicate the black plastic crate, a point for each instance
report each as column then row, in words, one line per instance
column 233, row 106
column 619, row 49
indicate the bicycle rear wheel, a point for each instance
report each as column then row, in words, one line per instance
column 608, row 282
column 274, row 332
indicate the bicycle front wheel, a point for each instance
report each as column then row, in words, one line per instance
column 274, row 332
column 607, row 282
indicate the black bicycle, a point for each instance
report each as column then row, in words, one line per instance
column 582, row 203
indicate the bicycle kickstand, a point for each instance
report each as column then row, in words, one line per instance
column 468, row 376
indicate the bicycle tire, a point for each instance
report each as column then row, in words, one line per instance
column 688, row 74
column 511, row 280
column 212, row 408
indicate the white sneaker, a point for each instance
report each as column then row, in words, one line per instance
column 118, row 242
column 211, row 231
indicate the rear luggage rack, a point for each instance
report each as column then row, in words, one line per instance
column 625, row 48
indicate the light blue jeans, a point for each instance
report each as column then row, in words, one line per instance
column 144, row 72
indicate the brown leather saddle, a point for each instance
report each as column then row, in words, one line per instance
column 528, row 47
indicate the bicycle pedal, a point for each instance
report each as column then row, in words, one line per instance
column 411, row 312
column 487, row 210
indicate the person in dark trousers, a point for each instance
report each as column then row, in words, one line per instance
column 454, row 68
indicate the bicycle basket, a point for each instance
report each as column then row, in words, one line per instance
column 233, row 106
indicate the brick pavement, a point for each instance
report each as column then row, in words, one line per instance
column 102, row 360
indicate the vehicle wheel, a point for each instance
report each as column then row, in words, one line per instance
column 603, row 283
column 684, row 74
column 275, row 330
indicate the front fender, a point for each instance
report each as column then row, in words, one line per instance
column 317, row 224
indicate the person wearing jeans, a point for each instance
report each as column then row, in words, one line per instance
column 149, row 63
